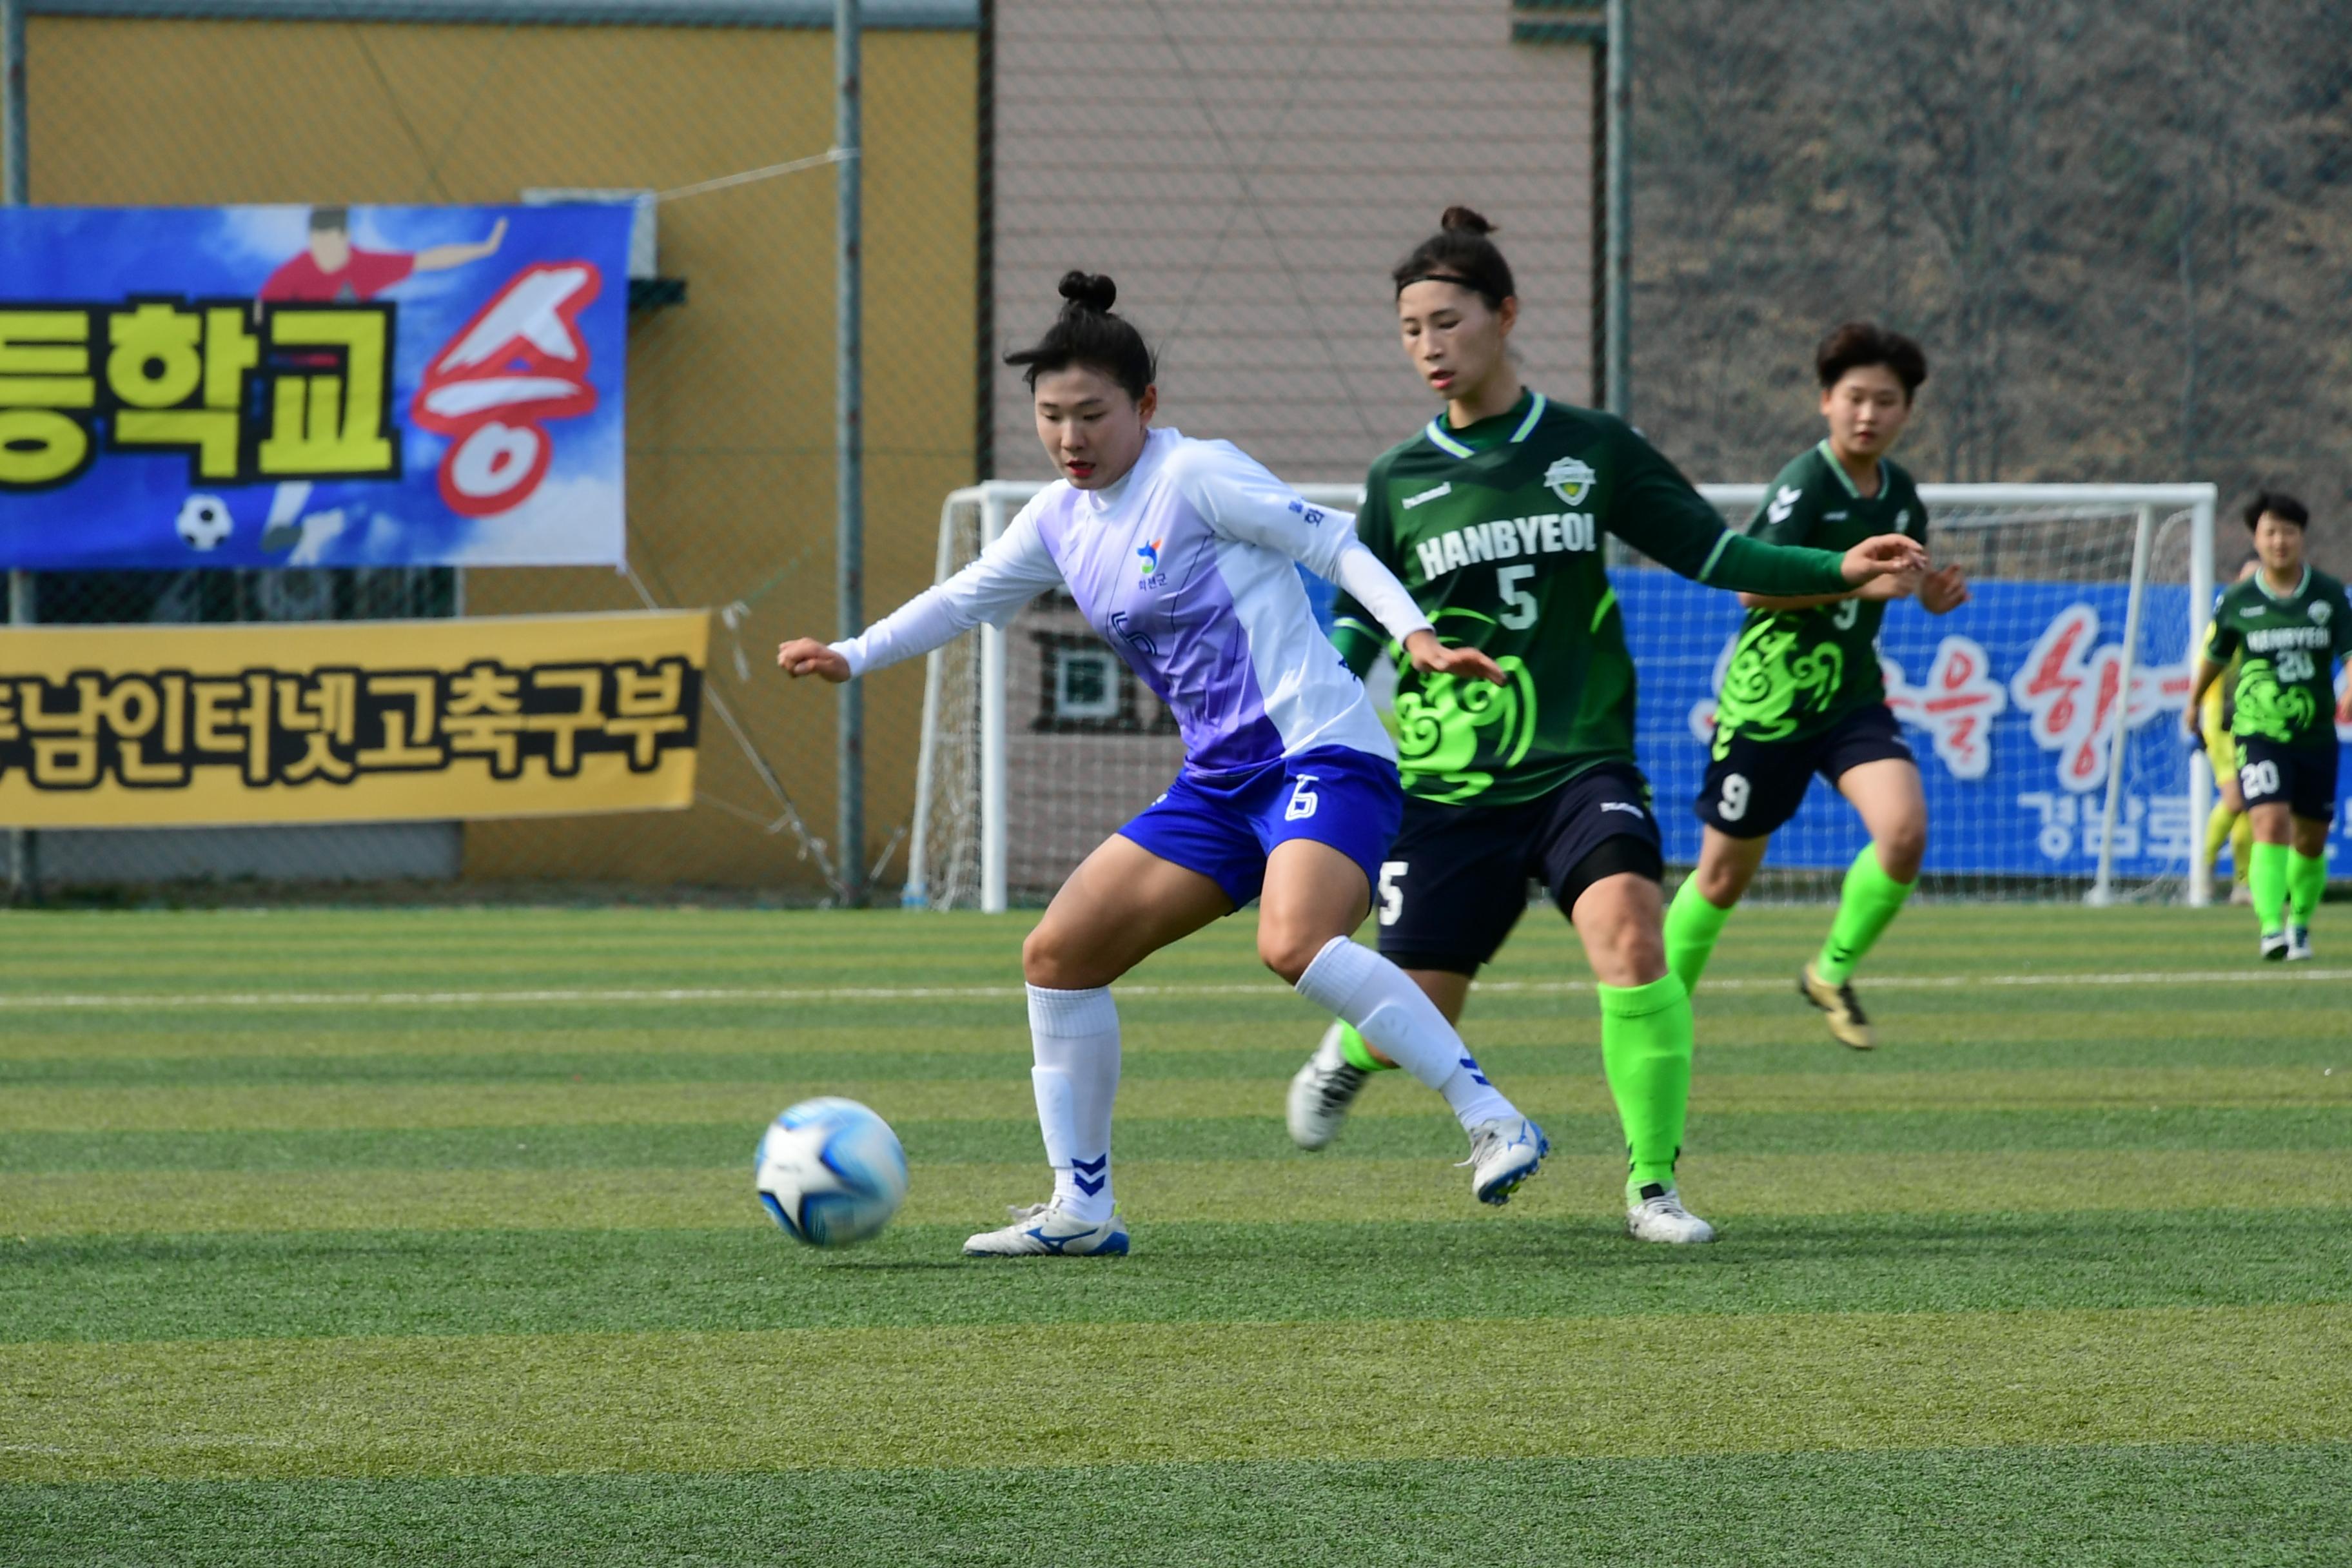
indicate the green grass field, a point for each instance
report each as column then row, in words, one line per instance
column 427, row 1237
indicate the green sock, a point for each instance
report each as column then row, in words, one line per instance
column 2306, row 883
column 2268, row 881
column 1359, row 1054
column 1866, row 907
column 1646, row 1049
column 1692, row 925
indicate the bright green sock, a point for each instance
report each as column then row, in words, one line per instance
column 1866, row 906
column 1646, row 1049
column 1693, row 923
column 2241, row 847
column 1359, row 1054
column 2306, row 883
column 2218, row 829
column 2268, row 879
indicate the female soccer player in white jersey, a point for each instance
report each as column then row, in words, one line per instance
column 1181, row 555
column 1495, row 513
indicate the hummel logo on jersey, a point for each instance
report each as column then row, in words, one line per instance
column 1832, row 517
column 1549, row 533
column 1624, row 805
column 1784, row 503
column 1570, row 479
column 1444, row 490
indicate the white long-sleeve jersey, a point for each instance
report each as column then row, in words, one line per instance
column 1185, row 566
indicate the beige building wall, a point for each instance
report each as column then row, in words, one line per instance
column 1249, row 170
column 730, row 395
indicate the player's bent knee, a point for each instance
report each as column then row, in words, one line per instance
column 1051, row 959
column 1289, row 953
column 1902, row 851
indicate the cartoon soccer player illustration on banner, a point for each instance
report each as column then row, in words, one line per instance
column 332, row 270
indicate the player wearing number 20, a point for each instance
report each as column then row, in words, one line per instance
column 2288, row 625
column 1803, row 694
column 1493, row 516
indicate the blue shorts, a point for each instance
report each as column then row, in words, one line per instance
column 1224, row 825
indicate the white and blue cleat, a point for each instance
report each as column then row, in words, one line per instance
column 2298, row 944
column 1041, row 1230
column 1504, row 1153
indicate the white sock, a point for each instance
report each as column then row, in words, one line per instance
column 1075, row 1035
column 1394, row 1017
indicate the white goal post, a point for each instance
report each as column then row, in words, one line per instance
column 2028, row 545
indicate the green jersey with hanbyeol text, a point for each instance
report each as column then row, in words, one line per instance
column 1794, row 673
column 1497, row 530
column 2287, row 680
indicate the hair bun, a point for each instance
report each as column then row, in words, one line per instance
column 1460, row 217
column 1090, row 290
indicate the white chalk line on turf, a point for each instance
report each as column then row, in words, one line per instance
column 37, row 1002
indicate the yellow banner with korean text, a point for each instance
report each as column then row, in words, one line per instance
column 349, row 720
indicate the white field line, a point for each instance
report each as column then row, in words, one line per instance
column 40, row 1002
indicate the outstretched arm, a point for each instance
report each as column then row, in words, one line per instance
column 1007, row 575
column 441, row 257
column 1241, row 499
column 2208, row 672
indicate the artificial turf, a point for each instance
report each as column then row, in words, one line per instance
column 426, row 1237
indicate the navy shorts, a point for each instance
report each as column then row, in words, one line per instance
column 2302, row 776
column 1224, row 825
column 1757, row 786
column 1455, row 881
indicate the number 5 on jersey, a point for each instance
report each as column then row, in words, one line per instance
column 1518, row 604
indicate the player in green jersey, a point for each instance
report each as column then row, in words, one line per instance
column 2287, row 625
column 1493, row 517
column 1803, row 694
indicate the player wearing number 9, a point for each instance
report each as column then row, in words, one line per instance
column 1494, row 515
column 1803, row 695
column 2289, row 625
column 1184, row 556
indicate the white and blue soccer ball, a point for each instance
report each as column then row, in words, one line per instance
column 830, row 1172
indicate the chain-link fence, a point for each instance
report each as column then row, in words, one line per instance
column 2122, row 230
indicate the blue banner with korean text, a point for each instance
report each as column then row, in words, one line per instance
column 311, row 386
column 2012, row 704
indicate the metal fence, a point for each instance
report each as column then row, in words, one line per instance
column 2122, row 230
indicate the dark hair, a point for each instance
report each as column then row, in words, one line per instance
column 1461, row 253
column 331, row 220
column 1086, row 333
column 2278, row 503
column 1859, row 343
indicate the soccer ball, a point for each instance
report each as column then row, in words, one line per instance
column 203, row 522
column 830, row 1172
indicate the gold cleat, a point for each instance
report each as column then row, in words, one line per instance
column 1842, row 1008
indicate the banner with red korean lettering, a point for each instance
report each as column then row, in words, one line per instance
column 311, row 386
column 349, row 720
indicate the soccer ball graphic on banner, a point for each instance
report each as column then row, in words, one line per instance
column 830, row 1172
column 203, row 522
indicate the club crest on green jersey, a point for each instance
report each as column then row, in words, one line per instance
column 1570, row 479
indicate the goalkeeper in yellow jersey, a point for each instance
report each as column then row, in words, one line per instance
column 2229, row 823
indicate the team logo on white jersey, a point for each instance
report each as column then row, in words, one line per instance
column 1570, row 479
column 1444, row 490
column 1146, row 557
column 1784, row 503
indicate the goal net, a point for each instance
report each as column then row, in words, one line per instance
column 2045, row 712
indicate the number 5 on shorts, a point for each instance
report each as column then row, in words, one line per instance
column 1392, row 896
